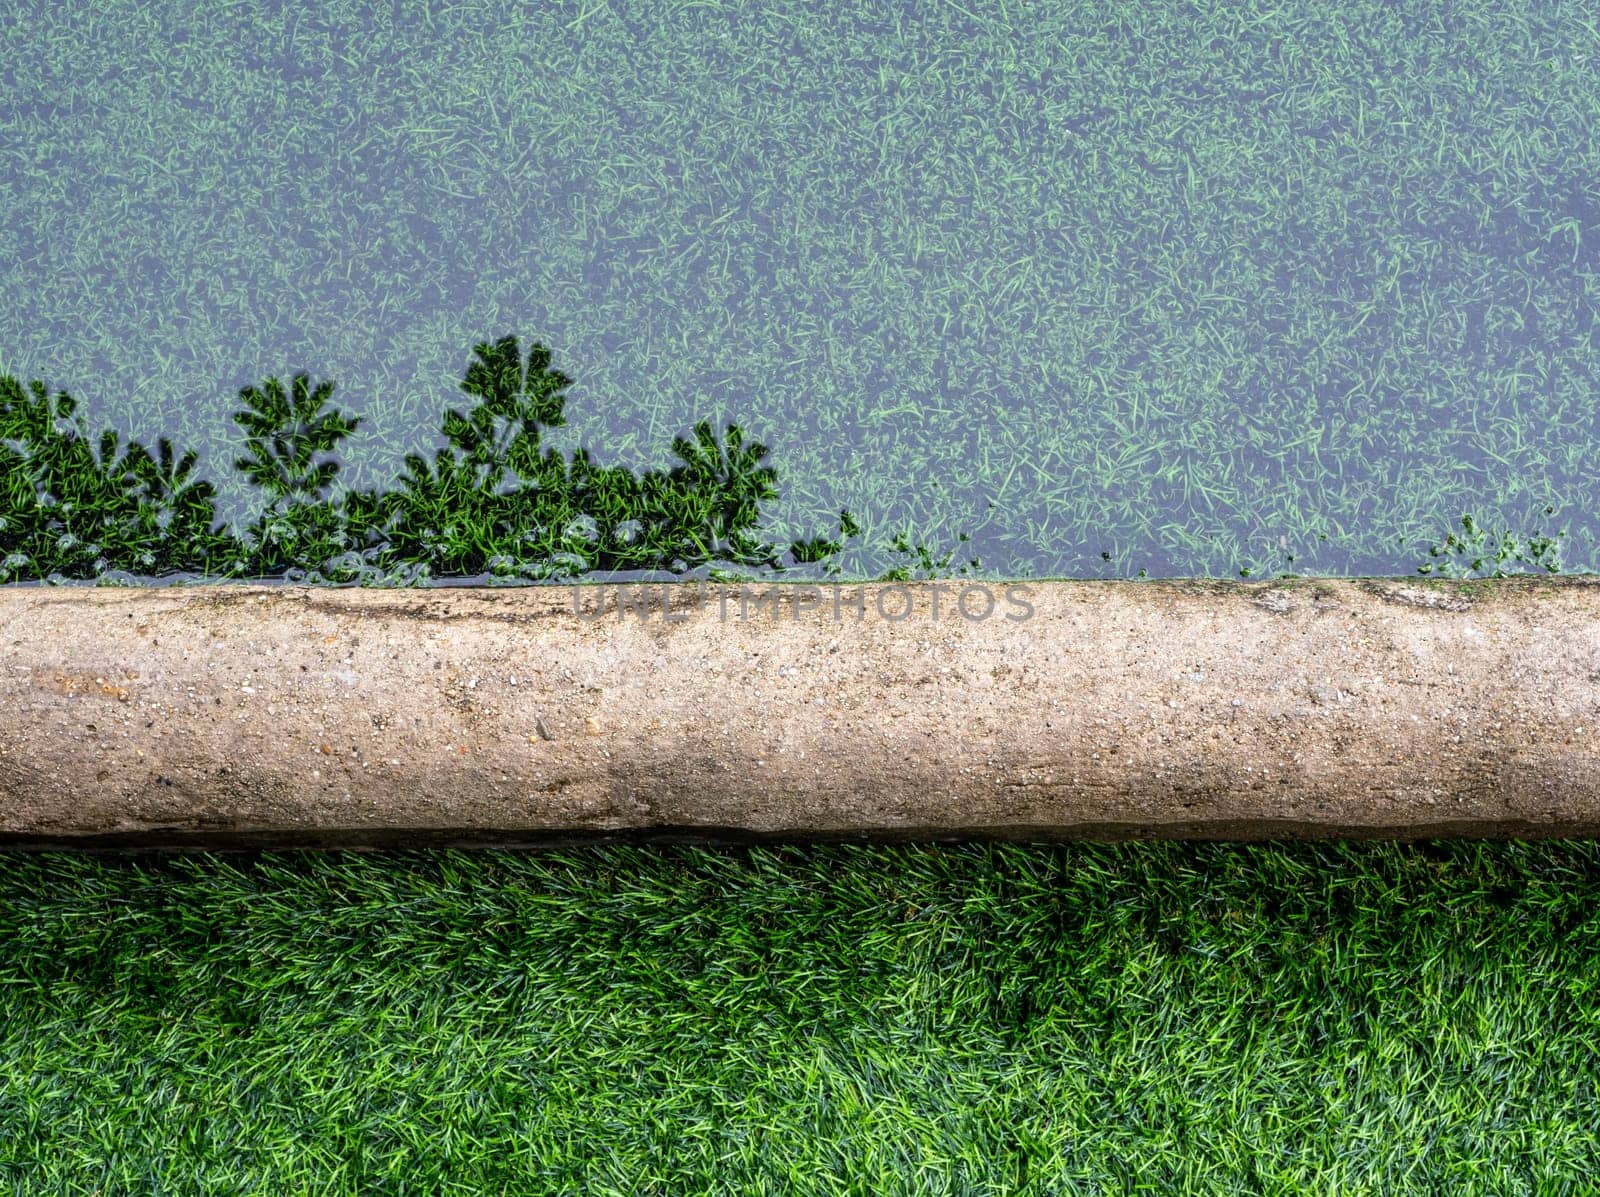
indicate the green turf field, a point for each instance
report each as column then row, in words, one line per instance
column 1155, row 1018
column 1030, row 290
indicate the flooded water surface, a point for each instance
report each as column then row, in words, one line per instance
column 1026, row 289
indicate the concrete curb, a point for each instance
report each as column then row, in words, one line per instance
column 240, row 716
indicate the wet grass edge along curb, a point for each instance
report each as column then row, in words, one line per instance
column 289, row 716
column 495, row 505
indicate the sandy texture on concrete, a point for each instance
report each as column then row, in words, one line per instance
column 275, row 715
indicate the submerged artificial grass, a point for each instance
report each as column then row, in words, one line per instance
column 494, row 505
column 1199, row 287
column 1157, row 1017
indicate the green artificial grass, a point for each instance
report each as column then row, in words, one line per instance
column 1031, row 291
column 1142, row 1018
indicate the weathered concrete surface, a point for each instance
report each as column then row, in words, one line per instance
column 273, row 715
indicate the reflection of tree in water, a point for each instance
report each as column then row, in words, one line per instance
column 493, row 501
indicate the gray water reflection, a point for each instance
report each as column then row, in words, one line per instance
column 1159, row 284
